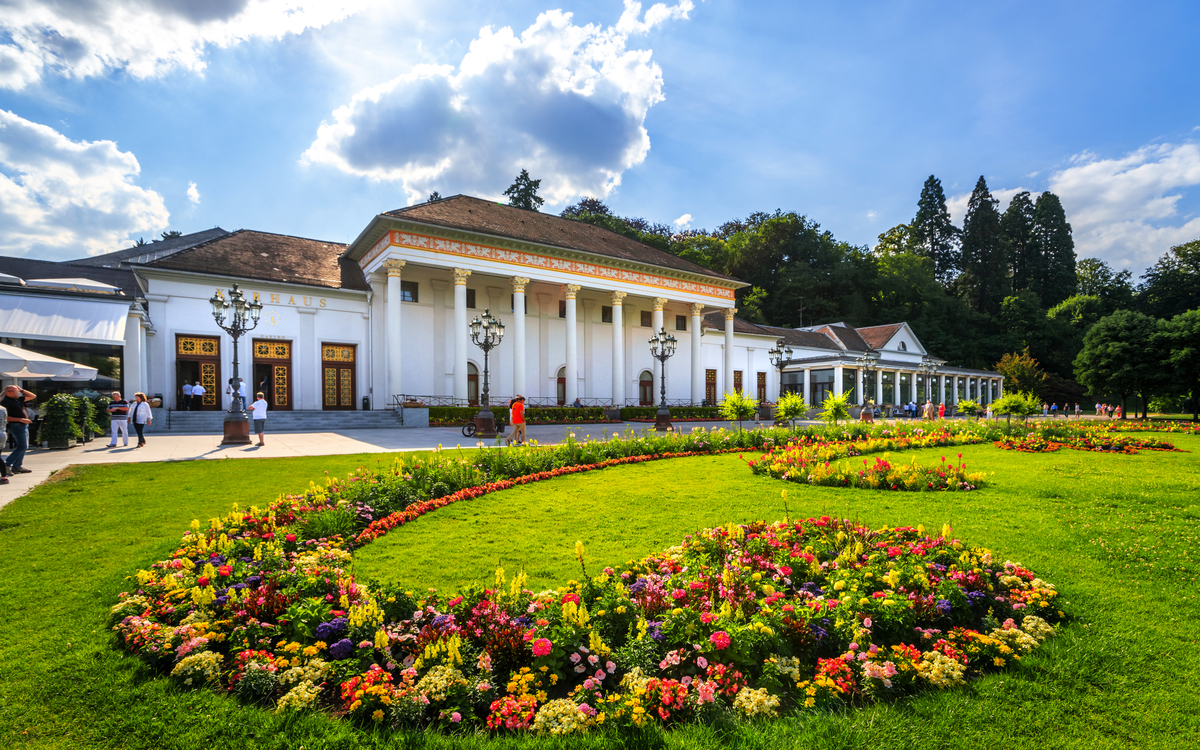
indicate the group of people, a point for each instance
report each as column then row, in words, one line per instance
column 1107, row 410
column 121, row 413
column 193, row 396
column 1052, row 410
column 516, row 413
column 911, row 410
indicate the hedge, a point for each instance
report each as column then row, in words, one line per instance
column 456, row 415
column 678, row 412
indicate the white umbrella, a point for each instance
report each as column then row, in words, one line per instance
column 16, row 362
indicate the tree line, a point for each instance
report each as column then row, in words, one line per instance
column 1003, row 291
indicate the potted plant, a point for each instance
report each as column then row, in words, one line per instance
column 59, row 428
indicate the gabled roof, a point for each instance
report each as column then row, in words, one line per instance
column 800, row 337
column 28, row 268
column 878, row 336
column 716, row 321
column 151, row 250
column 269, row 257
column 488, row 217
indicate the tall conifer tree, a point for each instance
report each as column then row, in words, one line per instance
column 985, row 273
column 932, row 233
column 1016, row 232
column 1055, row 249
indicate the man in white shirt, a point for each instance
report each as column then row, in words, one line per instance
column 118, row 412
column 198, row 392
column 187, row 396
column 258, row 415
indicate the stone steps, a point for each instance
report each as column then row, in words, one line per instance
column 278, row 421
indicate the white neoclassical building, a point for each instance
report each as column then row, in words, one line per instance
column 385, row 318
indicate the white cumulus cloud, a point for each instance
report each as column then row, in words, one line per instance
column 79, row 38
column 193, row 194
column 63, row 198
column 566, row 102
column 1122, row 210
column 683, row 221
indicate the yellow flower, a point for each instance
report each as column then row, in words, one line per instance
column 378, row 715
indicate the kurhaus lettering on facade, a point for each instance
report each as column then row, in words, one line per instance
column 386, row 318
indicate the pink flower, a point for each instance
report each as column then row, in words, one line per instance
column 701, row 662
column 575, row 658
column 720, row 639
column 867, row 622
column 456, row 717
column 542, row 646
column 678, row 594
column 290, row 537
column 454, row 602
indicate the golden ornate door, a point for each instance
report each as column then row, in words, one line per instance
column 273, row 373
column 202, row 355
column 338, row 388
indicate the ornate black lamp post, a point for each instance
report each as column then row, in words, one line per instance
column 486, row 332
column 928, row 370
column 779, row 357
column 662, row 346
column 868, row 362
column 245, row 318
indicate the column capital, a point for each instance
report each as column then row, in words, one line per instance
column 617, row 297
column 570, row 290
column 460, row 276
column 518, row 284
column 697, row 309
column 730, row 312
column 393, row 266
column 660, row 303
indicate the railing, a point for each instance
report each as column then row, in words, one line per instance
column 411, row 399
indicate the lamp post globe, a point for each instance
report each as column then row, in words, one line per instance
column 662, row 347
column 486, row 332
column 779, row 358
column 245, row 319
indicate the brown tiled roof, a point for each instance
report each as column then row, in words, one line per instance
column 487, row 217
column 807, row 339
column 877, row 336
column 151, row 250
column 270, row 257
column 716, row 321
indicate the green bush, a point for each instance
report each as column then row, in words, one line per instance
column 454, row 415
column 739, row 407
column 60, row 425
column 836, row 408
column 677, row 412
column 86, row 418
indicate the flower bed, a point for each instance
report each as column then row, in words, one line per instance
column 817, row 463
column 1102, row 443
column 753, row 620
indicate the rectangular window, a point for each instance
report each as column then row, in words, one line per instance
column 680, row 322
column 710, row 387
column 850, row 385
column 605, row 314
column 409, row 291
column 737, row 381
column 562, row 308
column 762, row 387
column 647, row 321
column 820, row 386
column 470, row 299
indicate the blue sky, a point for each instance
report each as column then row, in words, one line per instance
column 121, row 118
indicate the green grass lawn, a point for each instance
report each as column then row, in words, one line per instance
column 1119, row 535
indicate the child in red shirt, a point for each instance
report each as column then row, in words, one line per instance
column 516, row 408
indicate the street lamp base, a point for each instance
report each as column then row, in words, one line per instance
column 237, row 429
column 485, row 424
column 662, row 419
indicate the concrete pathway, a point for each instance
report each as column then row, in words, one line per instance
column 169, row 447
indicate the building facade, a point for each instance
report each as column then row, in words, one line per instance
column 386, row 318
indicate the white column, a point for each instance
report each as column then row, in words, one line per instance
column 395, row 382
column 837, row 380
column 588, row 368
column 697, row 357
column 572, row 372
column 879, row 387
column 656, row 324
column 460, row 333
column 862, row 386
column 442, row 373
column 618, row 351
column 912, row 387
column 729, row 313
column 749, row 377
column 518, row 285
column 131, row 367
column 807, row 388
column 999, row 387
column 941, row 379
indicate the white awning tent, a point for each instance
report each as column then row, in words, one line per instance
column 23, row 364
column 63, row 319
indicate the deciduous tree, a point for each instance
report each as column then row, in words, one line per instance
column 1021, row 372
column 1172, row 285
column 1121, row 355
column 1180, row 339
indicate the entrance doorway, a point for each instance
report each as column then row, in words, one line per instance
column 273, row 373
column 338, row 388
column 562, row 386
column 472, row 384
column 646, row 388
column 710, row 387
column 198, row 359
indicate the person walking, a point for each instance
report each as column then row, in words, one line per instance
column 187, row 396
column 258, row 412
column 118, row 419
column 1078, row 410
column 516, row 409
column 1054, row 410
column 14, row 402
column 141, row 416
column 942, row 410
column 198, row 392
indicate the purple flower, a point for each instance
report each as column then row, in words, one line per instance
column 343, row 649
column 944, row 606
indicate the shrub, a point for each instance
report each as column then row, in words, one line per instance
column 61, row 425
column 791, row 405
column 738, row 406
column 835, row 408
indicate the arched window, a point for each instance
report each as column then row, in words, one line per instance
column 562, row 386
column 646, row 388
column 472, row 384
column 903, row 346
